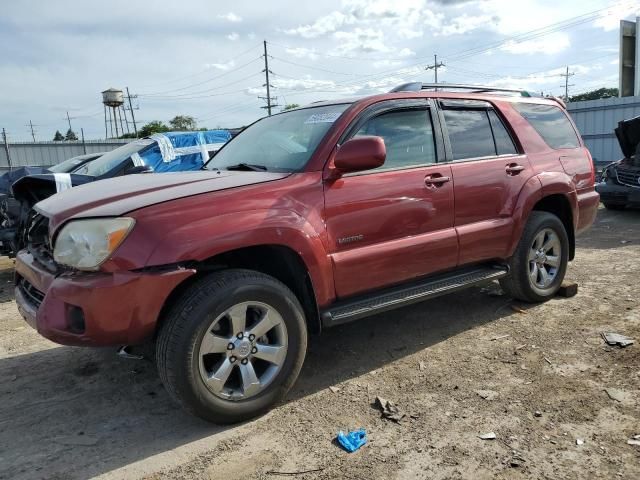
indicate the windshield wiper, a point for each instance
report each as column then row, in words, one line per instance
column 251, row 167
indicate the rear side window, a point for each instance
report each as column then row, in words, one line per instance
column 469, row 133
column 551, row 123
column 504, row 143
column 408, row 137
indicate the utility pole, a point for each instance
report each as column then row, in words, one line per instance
column 69, row 120
column 84, row 145
column 435, row 67
column 135, row 128
column 33, row 135
column 566, row 83
column 6, row 147
column 266, row 71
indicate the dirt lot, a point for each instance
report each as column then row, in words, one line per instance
column 80, row 413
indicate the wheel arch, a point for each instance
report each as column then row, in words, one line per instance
column 278, row 261
column 559, row 205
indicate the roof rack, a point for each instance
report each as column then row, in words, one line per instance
column 418, row 86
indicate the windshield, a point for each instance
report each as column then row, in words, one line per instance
column 68, row 165
column 112, row 159
column 280, row 143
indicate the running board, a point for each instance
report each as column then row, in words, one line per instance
column 388, row 299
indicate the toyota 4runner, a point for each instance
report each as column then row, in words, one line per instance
column 308, row 219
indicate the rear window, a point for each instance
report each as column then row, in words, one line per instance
column 469, row 134
column 551, row 123
column 504, row 143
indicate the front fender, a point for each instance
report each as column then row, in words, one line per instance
column 212, row 236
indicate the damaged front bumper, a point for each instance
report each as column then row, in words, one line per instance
column 614, row 194
column 93, row 309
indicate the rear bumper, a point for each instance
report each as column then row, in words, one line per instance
column 614, row 194
column 92, row 309
column 588, row 202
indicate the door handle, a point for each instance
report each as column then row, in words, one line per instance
column 435, row 180
column 514, row 169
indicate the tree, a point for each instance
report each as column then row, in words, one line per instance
column 595, row 94
column 128, row 135
column 71, row 136
column 58, row 137
column 183, row 123
column 290, row 106
column 155, row 126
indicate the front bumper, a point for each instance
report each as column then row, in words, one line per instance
column 614, row 194
column 93, row 309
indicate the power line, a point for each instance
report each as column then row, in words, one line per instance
column 201, row 83
column 206, row 70
column 190, row 95
column 312, row 67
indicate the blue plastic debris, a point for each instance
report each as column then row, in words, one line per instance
column 353, row 440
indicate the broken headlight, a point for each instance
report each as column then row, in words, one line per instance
column 86, row 244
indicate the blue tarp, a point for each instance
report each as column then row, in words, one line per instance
column 182, row 151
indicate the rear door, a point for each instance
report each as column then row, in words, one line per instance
column 393, row 223
column 488, row 173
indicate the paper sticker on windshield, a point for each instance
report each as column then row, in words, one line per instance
column 329, row 117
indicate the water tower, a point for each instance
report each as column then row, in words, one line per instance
column 113, row 101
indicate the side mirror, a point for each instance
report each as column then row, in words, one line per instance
column 358, row 154
column 139, row 169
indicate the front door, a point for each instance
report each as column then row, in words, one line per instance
column 393, row 223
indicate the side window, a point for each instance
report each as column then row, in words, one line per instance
column 551, row 123
column 504, row 143
column 469, row 133
column 408, row 137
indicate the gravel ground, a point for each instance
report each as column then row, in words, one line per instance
column 459, row 366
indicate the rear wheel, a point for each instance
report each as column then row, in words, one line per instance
column 539, row 262
column 232, row 346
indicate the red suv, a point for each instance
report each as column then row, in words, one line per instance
column 308, row 219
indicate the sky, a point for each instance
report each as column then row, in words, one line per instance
column 204, row 58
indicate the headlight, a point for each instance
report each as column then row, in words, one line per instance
column 85, row 244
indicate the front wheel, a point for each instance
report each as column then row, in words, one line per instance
column 539, row 262
column 232, row 345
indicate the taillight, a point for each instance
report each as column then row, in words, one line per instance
column 593, row 166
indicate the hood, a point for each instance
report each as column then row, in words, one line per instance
column 9, row 178
column 117, row 196
column 31, row 189
column 628, row 133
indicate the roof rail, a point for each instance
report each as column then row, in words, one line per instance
column 418, row 86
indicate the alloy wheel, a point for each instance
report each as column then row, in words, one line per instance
column 545, row 258
column 243, row 350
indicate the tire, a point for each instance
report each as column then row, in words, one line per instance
column 521, row 283
column 208, row 307
column 614, row 206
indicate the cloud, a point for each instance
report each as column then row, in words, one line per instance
column 467, row 23
column 232, row 17
column 322, row 26
column 548, row 45
column 222, row 66
column 408, row 34
column 233, row 36
column 301, row 52
column 365, row 40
